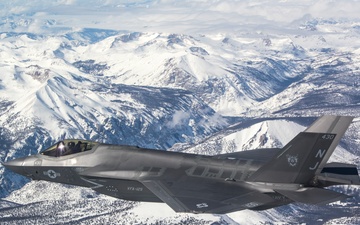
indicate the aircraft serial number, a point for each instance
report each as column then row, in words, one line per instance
column 134, row 188
column 328, row 136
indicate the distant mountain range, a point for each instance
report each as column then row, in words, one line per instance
column 207, row 94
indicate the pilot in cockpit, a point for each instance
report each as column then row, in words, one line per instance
column 69, row 147
column 77, row 147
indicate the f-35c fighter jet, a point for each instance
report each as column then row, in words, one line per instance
column 256, row 179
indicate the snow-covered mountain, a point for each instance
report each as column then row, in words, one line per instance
column 208, row 93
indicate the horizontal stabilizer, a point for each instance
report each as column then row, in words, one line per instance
column 339, row 173
column 340, row 168
column 313, row 195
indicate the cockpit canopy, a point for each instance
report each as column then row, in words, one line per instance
column 69, row 147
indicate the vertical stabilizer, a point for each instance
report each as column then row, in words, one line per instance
column 306, row 154
column 330, row 124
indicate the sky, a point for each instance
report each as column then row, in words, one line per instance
column 176, row 16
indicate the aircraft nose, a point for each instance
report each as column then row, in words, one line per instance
column 15, row 165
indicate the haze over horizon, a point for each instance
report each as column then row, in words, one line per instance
column 171, row 16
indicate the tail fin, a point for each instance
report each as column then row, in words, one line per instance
column 306, row 154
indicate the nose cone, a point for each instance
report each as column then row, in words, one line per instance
column 15, row 165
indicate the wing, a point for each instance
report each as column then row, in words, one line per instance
column 205, row 195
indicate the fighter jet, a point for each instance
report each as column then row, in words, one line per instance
column 256, row 179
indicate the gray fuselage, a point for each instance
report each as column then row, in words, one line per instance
column 118, row 170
